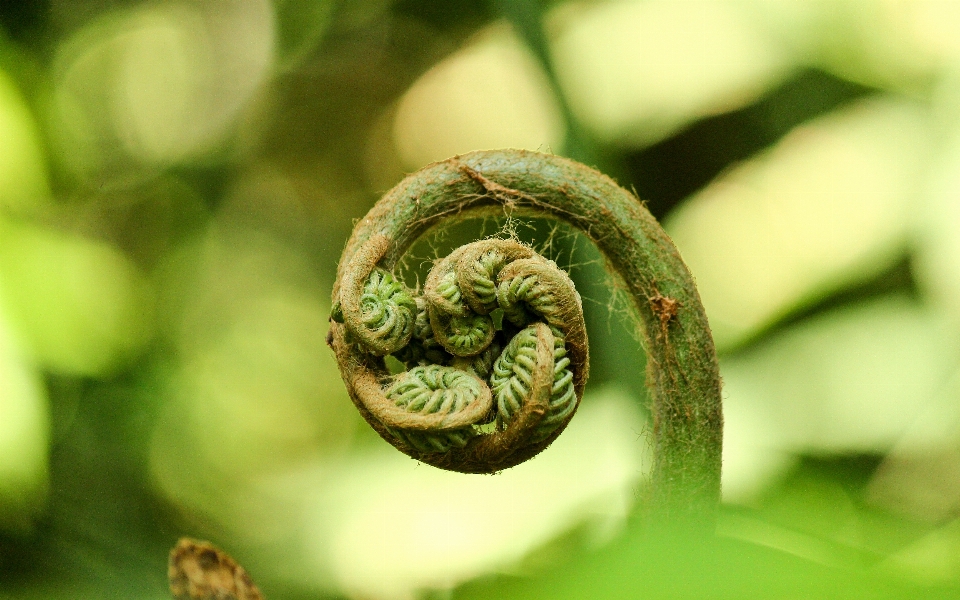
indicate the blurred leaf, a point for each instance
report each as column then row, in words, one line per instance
column 635, row 72
column 669, row 171
column 896, row 44
column 933, row 559
column 156, row 84
column 938, row 243
column 826, row 207
column 669, row 565
column 23, row 170
column 300, row 27
column 491, row 94
column 24, row 433
column 920, row 484
column 80, row 306
column 851, row 380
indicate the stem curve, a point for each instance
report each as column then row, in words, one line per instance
column 682, row 371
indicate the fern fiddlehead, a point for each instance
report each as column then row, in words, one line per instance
column 537, row 378
column 434, row 410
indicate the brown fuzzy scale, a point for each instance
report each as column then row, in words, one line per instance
column 682, row 371
column 201, row 571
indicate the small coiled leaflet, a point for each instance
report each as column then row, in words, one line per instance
column 512, row 378
column 375, row 308
column 387, row 309
column 442, row 290
column 423, row 349
column 461, row 330
column 535, row 288
column 466, row 335
column 433, row 411
column 433, row 390
column 478, row 270
column 481, row 280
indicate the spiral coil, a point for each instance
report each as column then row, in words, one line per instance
column 466, row 335
column 432, row 390
column 481, row 279
column 377, row 310
column 387, row 309
column 423, row 348
column 454, row 355
column 511, row 379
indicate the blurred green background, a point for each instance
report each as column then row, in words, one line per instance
column 177, row 179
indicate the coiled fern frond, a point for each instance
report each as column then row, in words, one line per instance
column 453, row 351
column 533, row 379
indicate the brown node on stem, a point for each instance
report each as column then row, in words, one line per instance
column 665, row 307
column 200, row 571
